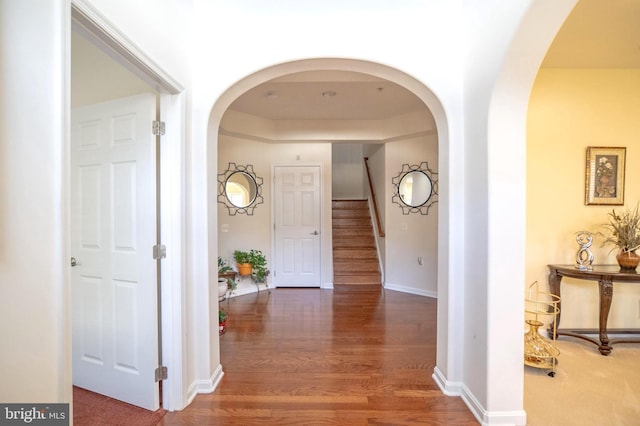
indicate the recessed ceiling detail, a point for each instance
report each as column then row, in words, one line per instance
column 303, row 96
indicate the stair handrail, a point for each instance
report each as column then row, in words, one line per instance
column 373, row 198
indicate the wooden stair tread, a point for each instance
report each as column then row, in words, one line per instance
column 350, row 204
column 342, row 223
column 355, row 254
column 347, row 232
column 360, row 243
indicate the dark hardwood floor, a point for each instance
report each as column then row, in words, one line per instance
column 327, row 357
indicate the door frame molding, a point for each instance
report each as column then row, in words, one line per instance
column 89, row 22
column 323, row 241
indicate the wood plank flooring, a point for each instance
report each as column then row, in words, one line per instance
column 327, row 357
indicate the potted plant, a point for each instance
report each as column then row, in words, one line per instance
column 624, row 234
column 223, row 287
column 259, row 264
column 225, row 271
column 243, row 261
column 222, row 321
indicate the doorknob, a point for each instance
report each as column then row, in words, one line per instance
column 314, row 233
column 74, row 262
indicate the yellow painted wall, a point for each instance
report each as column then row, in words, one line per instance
column 569, row 110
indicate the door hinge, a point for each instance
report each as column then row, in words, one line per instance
column 159, row 251
column 161, row 373
column 157, row 128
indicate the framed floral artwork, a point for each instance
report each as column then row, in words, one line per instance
column 605, row 176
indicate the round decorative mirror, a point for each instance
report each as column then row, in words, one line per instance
column 415, row 188
column 241, row 189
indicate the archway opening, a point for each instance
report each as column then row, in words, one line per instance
column 221, row 128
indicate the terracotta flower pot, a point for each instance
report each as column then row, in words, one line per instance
column 244, row 268
column 628, row 260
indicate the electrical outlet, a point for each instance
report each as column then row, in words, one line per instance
column 224, row 227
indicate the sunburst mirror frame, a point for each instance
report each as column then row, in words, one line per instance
column 222, row 192
column 423, row 209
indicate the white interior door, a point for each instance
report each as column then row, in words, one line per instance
column 113, row 225
column 297, row 226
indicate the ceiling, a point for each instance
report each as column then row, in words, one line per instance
column 597, row 34
column 327, row 95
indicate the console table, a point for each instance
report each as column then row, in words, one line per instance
column 605, row 275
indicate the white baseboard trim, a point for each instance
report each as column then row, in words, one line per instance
column 327, row 286
column 205, row 386
column 506, row 418
column 410, row 290
column 476, row 408
column 448, row 388
column 516, row 418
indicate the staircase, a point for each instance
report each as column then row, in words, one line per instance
column 355, row 258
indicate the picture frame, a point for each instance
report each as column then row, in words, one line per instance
column 604, row 177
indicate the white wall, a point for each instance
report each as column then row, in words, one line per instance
column 34, row 292
column 413, row 235
column 494, row 173
column 348, row 177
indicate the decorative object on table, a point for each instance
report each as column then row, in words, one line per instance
column 240, row 189
column 539, row 351
column 242, row 262
column 415, row 188
column 584, row 257
column 222, row 322
column 624, row 234
column 605, row 176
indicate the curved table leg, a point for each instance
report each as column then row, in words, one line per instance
column 606, row 294
column 554, row 288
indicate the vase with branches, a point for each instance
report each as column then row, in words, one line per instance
column 623, row 233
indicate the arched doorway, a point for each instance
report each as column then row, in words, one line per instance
column 328, row 65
